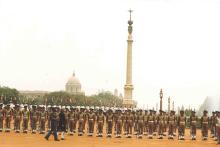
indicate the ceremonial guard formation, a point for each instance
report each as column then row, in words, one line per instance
column 106, row 122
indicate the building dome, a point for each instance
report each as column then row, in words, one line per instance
column 73, row 85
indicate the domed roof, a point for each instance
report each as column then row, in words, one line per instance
column 73, row 80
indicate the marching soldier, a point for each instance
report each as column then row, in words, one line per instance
column 205, row 125
column 49, row 112
column 193, row 120
column 42, row 116
column 118, row 123
column 8, row 117
column 217, row 122
column 91, row 122
column 66, row 113
column 33, row 118
column 82, row 121
column 26, row 115
column 2, row 116
column 160, row 123
column 109, row 122
column 100, row 123
column 140, row 124
column 17, row 118
column 212, row 124
column 129, row 119
column 181, row 125
column 151, row 120
column 145, row 122
column 62, row 122
column 171, row 124
column 72, row 120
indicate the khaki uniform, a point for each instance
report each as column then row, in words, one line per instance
column 151, row 120
column 72, row 121
column 212, row 125
column 181, row 126
column 171, row 125
column 17, row 120
column 82, row 121
column 34, row 119
column 49, row 112
column 8, row 116
column 145, row 123
column 109, row 123
column 217, row 122
column 193, row 121
column 160, row 122
column 118, row 124
column 100, row 123
column 129, row 123
column 43, row 116
column 140, row 124
column 205, row 126
column 91, row 123
column 26, row 115
column 2, row 117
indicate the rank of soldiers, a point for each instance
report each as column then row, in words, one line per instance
column 117, row 122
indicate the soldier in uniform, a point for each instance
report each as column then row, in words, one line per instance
column 100, row 123
column 72, row 120
column 62, row 122
column 151, row 120
column 2, row 116
column 82, row 121
column 42, row 116
column 54, row 124
column 181, row 121
column 217, row 122
column 109, row 122
column 160, row 123
column 193, row 120
column 171, row 124
column 118, row 123
column 91, row 118
column 49, row 112
column 155, row 123
column 129, row 119
column 165, row 123
column 66, row 113
column 8, row 117
column 135, row 113
column 145, row 122
column 205, row 125
column 140, row 120
column 17, row 118
column 33, row 118
column 212, row 124
column 26, row 116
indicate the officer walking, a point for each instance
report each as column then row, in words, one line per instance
column 53, row 124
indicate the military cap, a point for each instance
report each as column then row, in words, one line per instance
column 193, row 111
column 205, row 111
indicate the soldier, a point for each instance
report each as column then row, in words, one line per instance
column 82, row 121
column 54, row 124
column 72, row 123
column 145, row 122
column 2, row 116
column 171, row 124
column 26, row 115
column 42, row 116
column 140, row 120
column 212, row 124
column 181, row 121
column 62, row 122
column 49, row 112
column 217, row 122
column 66, row 113
column 155, row 123
column 165, row 123
column 135, row 113
column 100, row 123
column 118, row 123
column 151, row 120
column 8, row 117
column 33, row 118
column 193, row 120
column 205, row 125
column 129, row 119
column 17, row 118
column 91, row 118
column 160, row 123
column 109, row 122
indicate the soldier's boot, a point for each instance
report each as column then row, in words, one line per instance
column 150, row 136
column 140, row 136
column 0, row 129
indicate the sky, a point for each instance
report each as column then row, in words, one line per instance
column 176, row 47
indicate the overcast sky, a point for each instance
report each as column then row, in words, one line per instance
column 176, row 47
